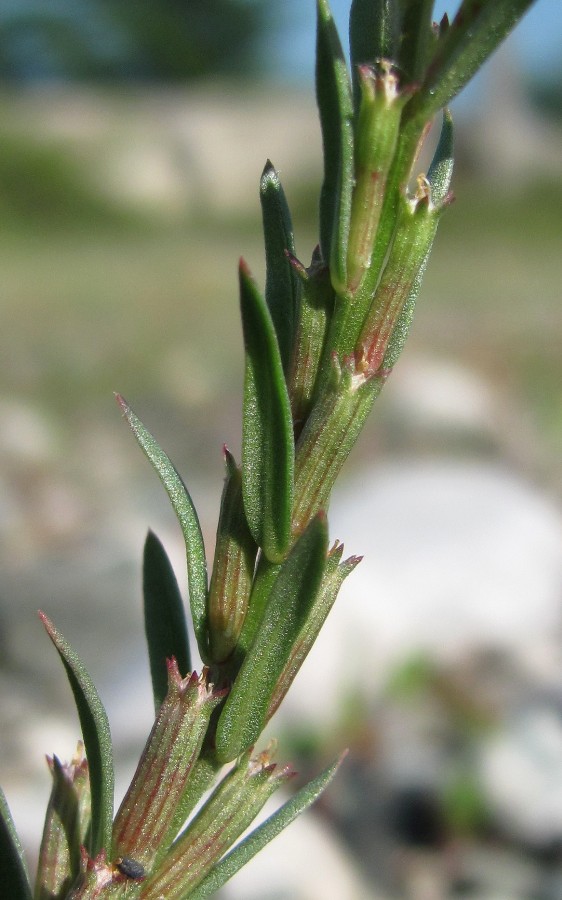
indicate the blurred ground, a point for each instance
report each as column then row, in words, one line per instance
column 123, row 219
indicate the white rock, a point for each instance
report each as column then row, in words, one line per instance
column 453, row 396
column 457, row 556
column 521, row 771
column 304, row 862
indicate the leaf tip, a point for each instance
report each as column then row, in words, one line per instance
column 296, row 265
column 228, row 457
column 122, row 403
column 48, row 625
column 269, row 177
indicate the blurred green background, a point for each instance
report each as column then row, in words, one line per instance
column 133, row 135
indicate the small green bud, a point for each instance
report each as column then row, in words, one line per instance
column 377, row 134
column 66, row 824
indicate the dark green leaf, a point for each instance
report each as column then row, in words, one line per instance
column 335, row 106
column 164, row 617
column 477, row 29
column 292, row 596
column 187, row 516
column 97, row 739
column 267, row 439
column 418, row 39
column 281, row 282
column 258, row 839
column 13, row 870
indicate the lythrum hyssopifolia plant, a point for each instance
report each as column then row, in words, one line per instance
column 320, row 344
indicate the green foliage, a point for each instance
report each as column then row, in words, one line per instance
column 97, row 740
column 335, row 107
column 261, row 836
column 188, row 519
column 267, row 442
column 173, row 40
column 67, row 827
column 233, row 569
column 465, row 805
column 13, row 870
column 319, row 348
column 42, row 186
column 282, row 287
column 164, row 617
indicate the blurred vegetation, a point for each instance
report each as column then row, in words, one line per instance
column 97, row 297
column 546, row 94
column 131, row 40
column 43, row 185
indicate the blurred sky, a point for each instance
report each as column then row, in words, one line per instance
column 287, row 46
column 537, row 38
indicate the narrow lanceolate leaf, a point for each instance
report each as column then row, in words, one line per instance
column 231, row 808
column 142, row 829
column 267, row 432
column 335, row 106
column 66, row 825
column 333, row 579
column 258, row 839
column 292, row 596
column 13, row 871
column 281, row 282
column 187, row 516
column 478, row 28
column 97, row 739
column 417, row 39
column 374, row 34
column 233, row 569
column 164, row 617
